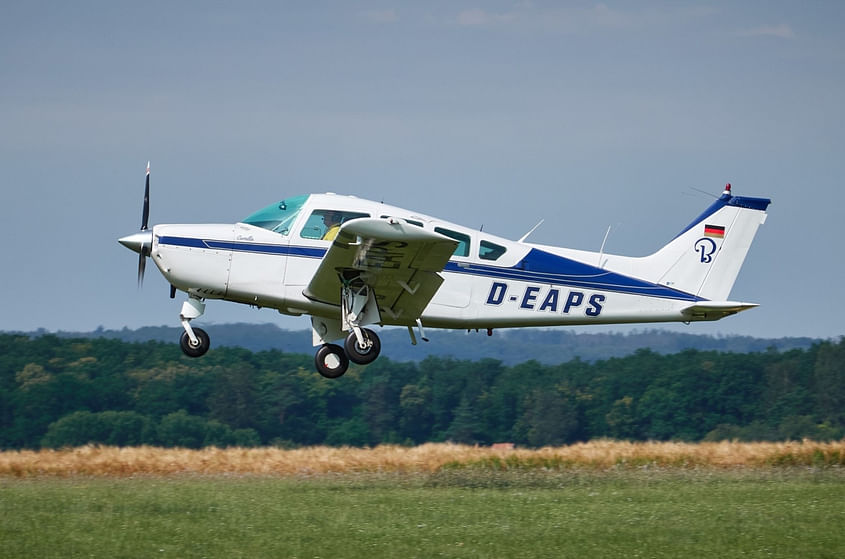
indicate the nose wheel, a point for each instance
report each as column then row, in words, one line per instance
column 198, row 348
column 194, row 341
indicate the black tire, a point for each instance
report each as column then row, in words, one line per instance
column 359, row 355
column 192, row 350
column 331, row 361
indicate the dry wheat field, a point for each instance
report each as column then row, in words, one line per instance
column 427, row 458
column 598, row 499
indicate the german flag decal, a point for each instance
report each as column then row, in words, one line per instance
column 714, row 231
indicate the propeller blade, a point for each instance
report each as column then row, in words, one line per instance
column 145, row 216
column 142, row 264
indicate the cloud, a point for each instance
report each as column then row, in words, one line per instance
column 478, row 17
column 381, row 16
column 782, row 31
column 574, row 19
column 604, row 16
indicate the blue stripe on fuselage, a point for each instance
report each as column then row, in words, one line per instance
column 258, row 248
column 538, row 266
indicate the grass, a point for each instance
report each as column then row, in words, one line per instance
column 458, row 513
column 601, row 499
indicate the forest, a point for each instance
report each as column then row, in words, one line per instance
column 57, row 392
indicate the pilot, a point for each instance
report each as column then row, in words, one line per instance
column 332, row 222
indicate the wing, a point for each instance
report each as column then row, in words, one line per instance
column 398, row 261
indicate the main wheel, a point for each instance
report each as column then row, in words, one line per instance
column 331, row 361
column 198, row 349
column 359, row 354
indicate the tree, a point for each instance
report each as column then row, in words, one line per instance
column 71, row 391
column 550, row 418
column 622, row 420
column 829, row 380
column 233, row 399
column 117, row 428
column 466, row 427
column 189, row 431
column 415, row 415
column 658, row 412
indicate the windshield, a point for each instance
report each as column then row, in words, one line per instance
column 278, row 217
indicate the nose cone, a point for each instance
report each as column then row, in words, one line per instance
column 138, row 242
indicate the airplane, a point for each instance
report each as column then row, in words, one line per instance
column 351, row 264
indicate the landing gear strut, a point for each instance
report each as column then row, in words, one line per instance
column 358, row 307
column 194, row 341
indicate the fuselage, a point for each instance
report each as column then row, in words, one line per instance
column 268, row 259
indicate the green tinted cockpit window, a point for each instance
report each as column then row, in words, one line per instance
column 278, row 217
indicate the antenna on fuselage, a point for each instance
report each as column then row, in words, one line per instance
column 522, row 239
column 601, row 250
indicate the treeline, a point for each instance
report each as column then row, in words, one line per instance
column 59, row 392
column 510, row 346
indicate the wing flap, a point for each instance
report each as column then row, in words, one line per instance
column 399, row 261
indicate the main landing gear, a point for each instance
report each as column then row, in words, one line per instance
column 332, row 361
column 361, row 346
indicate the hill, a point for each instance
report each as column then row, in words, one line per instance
column 548, row 346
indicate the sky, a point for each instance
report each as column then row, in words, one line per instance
column 496, row 114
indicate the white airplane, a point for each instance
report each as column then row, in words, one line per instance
column 351, row 263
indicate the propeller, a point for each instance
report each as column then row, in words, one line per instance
column 145, row 218
column 142, row 242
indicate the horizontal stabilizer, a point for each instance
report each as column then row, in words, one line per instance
column 714, row 310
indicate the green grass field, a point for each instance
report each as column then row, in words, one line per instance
column 451, row 513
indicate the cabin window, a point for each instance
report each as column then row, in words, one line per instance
column 277, row 217
column 463, row 240
column 324, row 224
column 490, row 251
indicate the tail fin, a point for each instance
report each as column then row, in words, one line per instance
column 705, row 258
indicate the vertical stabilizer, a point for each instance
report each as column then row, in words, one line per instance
column 705, row 258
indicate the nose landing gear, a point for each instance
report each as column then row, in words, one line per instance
column 194, row 341
column 192, row 348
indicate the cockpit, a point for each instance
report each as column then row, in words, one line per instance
column 323, row 223
column 278, row 217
